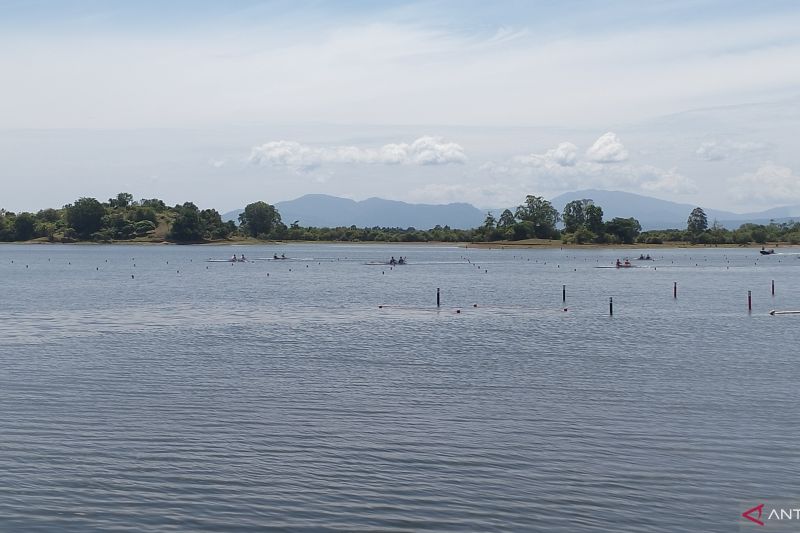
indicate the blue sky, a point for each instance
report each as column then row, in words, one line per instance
column 485, row 102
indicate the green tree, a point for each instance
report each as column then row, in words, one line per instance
column 143, row 227
column 489, row 222
column 697, row 222
column 154, row 203
column 624, row 229
column 574, row 215
column 144, row 213
column 24, row 226
column 259, row 219
column 594, row 219
column 506, row 219
column 759, row 234
column 85, row 216
column 523, row 230
column 117, row 225
column 48, row 215
column 213, row 227
column 541, row 214
column 583, row 235
column 122, row 200
column 6, row 233
column 187, row 226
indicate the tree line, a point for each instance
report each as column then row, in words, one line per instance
column 124, row 219
column 581, row 222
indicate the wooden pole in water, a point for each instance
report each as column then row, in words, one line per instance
column 563, row 293
column 674, row 289
column 438, row 298
column 610, row 306
column 749, row 300
column 773, row 287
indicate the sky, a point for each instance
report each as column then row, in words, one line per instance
column 225, row 103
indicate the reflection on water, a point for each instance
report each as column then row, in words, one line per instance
column 143, row 388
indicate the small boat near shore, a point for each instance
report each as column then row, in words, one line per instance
column 762, row 251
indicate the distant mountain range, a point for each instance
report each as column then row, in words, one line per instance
column 331, row 211
column 653, row 213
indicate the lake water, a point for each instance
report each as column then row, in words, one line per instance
column 144, row 389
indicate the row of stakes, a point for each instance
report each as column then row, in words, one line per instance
column 611, row 299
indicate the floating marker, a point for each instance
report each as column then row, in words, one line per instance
column 674, row 289
column 563, row 293
column 773, row 287
column 749, row 301
column 438, row 298
column 610, row 306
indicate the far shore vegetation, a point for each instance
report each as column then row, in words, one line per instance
column 535, row 222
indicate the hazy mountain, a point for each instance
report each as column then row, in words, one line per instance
column 653, row 213
column 323, row 210
column 331, row 211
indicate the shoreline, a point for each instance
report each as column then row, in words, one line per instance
column 496, row 245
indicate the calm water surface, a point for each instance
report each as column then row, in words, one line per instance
column 145, row 389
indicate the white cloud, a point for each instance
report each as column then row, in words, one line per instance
column 302, row 157
column 564, row 155
column 431, row 151
column 720, row 150
column 561, row 169
column 607, row 149
column 770, row 183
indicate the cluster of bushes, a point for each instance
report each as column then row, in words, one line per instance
column 25, row 226
column 583, row 224
column 745, row 234
column 120, row 218
column 535, row 219
column 377, row 234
